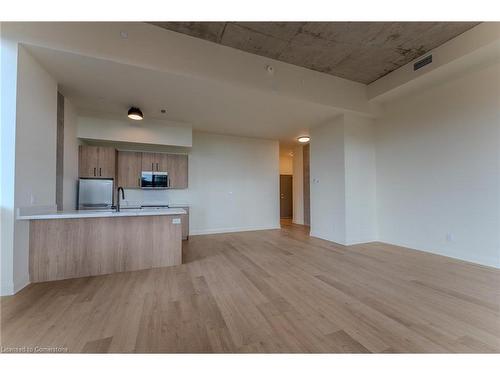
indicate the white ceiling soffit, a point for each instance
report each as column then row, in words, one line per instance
column 472, row 49
column 151, row 47
column 97, row 85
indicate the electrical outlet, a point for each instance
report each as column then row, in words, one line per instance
column 176, row 220
column 450, row 237
column 32, row 199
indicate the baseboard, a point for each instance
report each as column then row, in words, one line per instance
column 21, row 284
column 491, row 263
column 321, row 237
column 12, row 288
column 229, row 230
column 352, row 243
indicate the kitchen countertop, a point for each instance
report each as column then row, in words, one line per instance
column 78, row 214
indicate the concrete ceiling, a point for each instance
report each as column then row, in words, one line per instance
column 358, row 51
column 102, row 86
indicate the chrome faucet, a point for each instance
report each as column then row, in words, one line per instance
column 118, row 199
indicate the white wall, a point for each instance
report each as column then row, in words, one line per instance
column 343, row 199
column 233, row 184
column 124, row 130
column 286, row 164
column 327, row 169
column 70, row 175
column 298, row 185
column 438, row 169
column 360, row 179
column 8, row 82
column 35, row 163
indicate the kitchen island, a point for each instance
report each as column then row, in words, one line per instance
column 73, row 244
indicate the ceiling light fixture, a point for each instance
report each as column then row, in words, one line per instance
column 135, row 113
column 304, row 139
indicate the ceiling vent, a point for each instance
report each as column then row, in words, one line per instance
column 421, row 63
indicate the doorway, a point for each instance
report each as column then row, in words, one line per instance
column 286, row 196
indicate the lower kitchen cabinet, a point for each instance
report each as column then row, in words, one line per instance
column 185, row 223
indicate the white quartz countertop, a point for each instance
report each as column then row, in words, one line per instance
column 177, row 205
column 78, row 214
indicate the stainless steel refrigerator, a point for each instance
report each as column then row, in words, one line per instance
column 95, row 193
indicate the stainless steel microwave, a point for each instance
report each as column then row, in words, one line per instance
column 154, row 180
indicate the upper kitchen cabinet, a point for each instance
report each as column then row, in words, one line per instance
column 129, row 169
column 162, row 162
column 149, row 163
column 131, row 164
column 95, row 161
column 154, row 162
column 177, row 168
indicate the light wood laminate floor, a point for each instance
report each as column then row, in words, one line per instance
column 268, row 291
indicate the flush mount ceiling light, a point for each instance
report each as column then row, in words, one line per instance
column 304, row 139
column 135, row 113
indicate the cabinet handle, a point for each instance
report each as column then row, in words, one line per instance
column 156, row 167
column 94, row 171
column 100, row 174
column 152, row 166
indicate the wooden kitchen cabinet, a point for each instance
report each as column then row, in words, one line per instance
column 154, row 161
column 129, row 169
column 157, row 161
column 96, row 161
column 88, row 159
column 177, row 168
column 185, row 223
column 148, row 161
column 107, row 162
column 175, row 164
column 162, row 162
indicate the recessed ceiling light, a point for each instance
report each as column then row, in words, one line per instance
column 135, row 113
column 304, row 139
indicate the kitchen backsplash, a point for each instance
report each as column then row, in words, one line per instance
column 137, row 197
